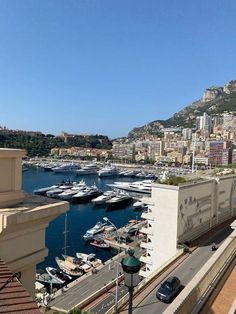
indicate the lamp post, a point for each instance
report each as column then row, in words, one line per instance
column 117, row 234
column 131, row 266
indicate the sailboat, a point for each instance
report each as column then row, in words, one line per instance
column 69, row 265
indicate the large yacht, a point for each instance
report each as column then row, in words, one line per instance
column 69, row 193
column 88, row 169
column 86, row 194
column 108, row 171
column 101, row 199
column 90, row 233
column 66, row 168
column 121, row 198
column 143, row 186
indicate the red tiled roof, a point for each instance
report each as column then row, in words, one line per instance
column 13, row 296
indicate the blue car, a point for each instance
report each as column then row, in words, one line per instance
column 169, row 289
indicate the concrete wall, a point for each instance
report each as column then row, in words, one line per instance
column 165, row 224
column 23, row 220
column 10, row 176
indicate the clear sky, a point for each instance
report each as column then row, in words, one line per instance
column 106, row 66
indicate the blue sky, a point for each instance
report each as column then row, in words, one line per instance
column 106, row 66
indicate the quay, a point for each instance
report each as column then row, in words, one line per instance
column 87, row 288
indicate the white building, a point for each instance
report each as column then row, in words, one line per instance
column 183, row 213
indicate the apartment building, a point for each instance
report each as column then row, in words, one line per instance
column 183, row 213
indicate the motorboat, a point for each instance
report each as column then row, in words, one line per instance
column 70, row 265
column 43, row 191
column 90, row 233
column 144, row 186
column 69, row 193
column 108, row 171
column 121, row 198
column 54, row 192
column 100, row 244
column 88, row 169
column 101, row 199
column 86, row 194
column 89, row 259
column 66, row 168
column 45, row 278
column 57, row 274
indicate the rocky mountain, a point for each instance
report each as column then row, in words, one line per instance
column 215, row 100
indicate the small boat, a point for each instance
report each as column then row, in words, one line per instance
column 100, row 244
column 70, row 266
column 89, row 259
column 45, row 278
column 56, row 274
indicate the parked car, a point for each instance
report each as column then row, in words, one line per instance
column 168, row 289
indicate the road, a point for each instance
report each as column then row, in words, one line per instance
column 185, row 272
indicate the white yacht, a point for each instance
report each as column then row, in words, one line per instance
column 121, row 198
column 144, row 186
column 88, row 169
column 108, row 171
column 86, row 194
column 101, row 199
column 69, row 193
column 66, row 168
column 58, row 275
column 90, row 233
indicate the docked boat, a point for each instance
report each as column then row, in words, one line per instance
column 70, row 265
column 90, row 233
column 119, row 200
column 143, row 186
column 89, row 259
column 59, row 275
column 100, row 244
column 69, row 193
column 86, row 194
column 46, row 279
column 66, row 168
column 108, row 171
column 101, row 199
column 43, row 191
column 88, row 169
column 54, row 192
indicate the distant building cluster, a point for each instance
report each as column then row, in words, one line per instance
column 212, row 142
column 81, row 152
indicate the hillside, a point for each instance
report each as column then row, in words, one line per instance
column 215, row 100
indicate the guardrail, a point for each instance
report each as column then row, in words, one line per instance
column 189, row 300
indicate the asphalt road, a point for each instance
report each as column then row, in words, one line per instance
column 185, row 272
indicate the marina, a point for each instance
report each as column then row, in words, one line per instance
column 81, row 216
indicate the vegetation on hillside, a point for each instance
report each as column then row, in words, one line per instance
column 41, row 145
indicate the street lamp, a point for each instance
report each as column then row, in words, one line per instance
column 131, row 266
column 117, row 234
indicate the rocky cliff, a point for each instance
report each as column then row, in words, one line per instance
column 215, row 100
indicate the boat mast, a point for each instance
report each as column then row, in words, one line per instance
column 65, row 235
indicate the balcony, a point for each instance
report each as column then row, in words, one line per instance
column 144, row 272
column 148, row 216
column 146, row 230
column 146, row 259
column 146, row 245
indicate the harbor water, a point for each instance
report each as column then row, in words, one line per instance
column 80, row 217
